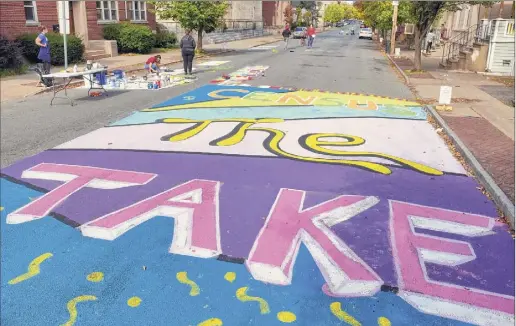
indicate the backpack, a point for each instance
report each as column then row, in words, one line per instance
column 40, row 71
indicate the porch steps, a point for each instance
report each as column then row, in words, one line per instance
column 95, row 54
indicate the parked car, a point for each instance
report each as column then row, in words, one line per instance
column 339, row 24
column 299, row 32
column 366, row 33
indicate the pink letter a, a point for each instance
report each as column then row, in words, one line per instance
column 194, row 207
column 75, row 177
column 412, row 250
column 275, row 250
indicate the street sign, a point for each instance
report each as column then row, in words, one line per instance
column 445, row 95
column 395, row 3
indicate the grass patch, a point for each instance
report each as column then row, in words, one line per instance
column 414, row 71
column 13, row 72
column 506, row 80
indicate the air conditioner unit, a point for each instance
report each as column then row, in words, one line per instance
column 409, row 29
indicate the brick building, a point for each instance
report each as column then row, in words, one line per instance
column 86, row 18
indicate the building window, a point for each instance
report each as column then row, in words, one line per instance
column 31, row 14
column 137, row 10
column 107, row 10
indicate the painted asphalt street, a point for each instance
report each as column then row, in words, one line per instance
column 231, row 202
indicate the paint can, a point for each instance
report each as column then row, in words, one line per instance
column 149, row 85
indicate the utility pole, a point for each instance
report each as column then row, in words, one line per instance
column 394, row 26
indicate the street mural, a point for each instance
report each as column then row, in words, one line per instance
column 233, row 205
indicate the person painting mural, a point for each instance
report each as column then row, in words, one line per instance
column 152, row 64
column 187, row 46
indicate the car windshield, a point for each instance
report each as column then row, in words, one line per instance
column 299, row 29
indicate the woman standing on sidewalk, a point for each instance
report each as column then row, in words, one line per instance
column 44, row 49
column 187, row 46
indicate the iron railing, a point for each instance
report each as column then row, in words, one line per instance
column 463, row 41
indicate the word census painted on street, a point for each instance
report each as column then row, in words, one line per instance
column 275, row 206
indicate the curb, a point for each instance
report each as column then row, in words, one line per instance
column 407, row 79
column 499, row 197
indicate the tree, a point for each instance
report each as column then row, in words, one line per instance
column 288, row 14
column 334, row 13
column 202, row 16
column 425, row 14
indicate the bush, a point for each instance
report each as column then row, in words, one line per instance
column 165, row 39
column 10, row 54
column 75, row 48
column 136, row 38
column 112, row 31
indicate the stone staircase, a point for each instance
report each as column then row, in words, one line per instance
column 96, row 50
column 229, row 36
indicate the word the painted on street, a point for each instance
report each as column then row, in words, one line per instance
column 314, row 143
column 194, row 205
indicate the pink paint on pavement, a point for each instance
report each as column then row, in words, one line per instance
column 278, row 239
column 76, row 177
column 412, row 275
column 204, row 223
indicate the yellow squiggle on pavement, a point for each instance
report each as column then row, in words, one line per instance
column 73, row 310
column 211, row 322
column 336, row 309
column 32, row 270
column 1, row 208
column 242, row 296
column 382, row 321
column 182, row 277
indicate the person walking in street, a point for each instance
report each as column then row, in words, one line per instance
column 286, row 35
column 187, row 46
column 44, row 49
column 311, row 36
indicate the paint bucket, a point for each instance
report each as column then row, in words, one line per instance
column 101, row 78
column 119, row 74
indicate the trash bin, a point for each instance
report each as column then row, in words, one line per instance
column 387, row 47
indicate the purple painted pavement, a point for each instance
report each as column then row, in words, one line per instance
column 249, row 188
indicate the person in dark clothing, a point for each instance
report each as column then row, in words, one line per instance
column 286, row 35
column 187, row 46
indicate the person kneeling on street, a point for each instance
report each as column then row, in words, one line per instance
column 152, row 64
column 187, row 46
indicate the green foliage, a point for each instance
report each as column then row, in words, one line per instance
column 202, row 16
column 136, row 39
column 75, row 48
column 378, row 14
column 112, row 31
column 334, row 13
column 165, row 39
column 10, row 54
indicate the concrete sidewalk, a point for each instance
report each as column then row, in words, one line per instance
column 479, row 116
column 21, row 86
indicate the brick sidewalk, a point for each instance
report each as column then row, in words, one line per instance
column 493, row 149
column 482, row 122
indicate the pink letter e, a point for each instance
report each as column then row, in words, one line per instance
column 411, row 250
